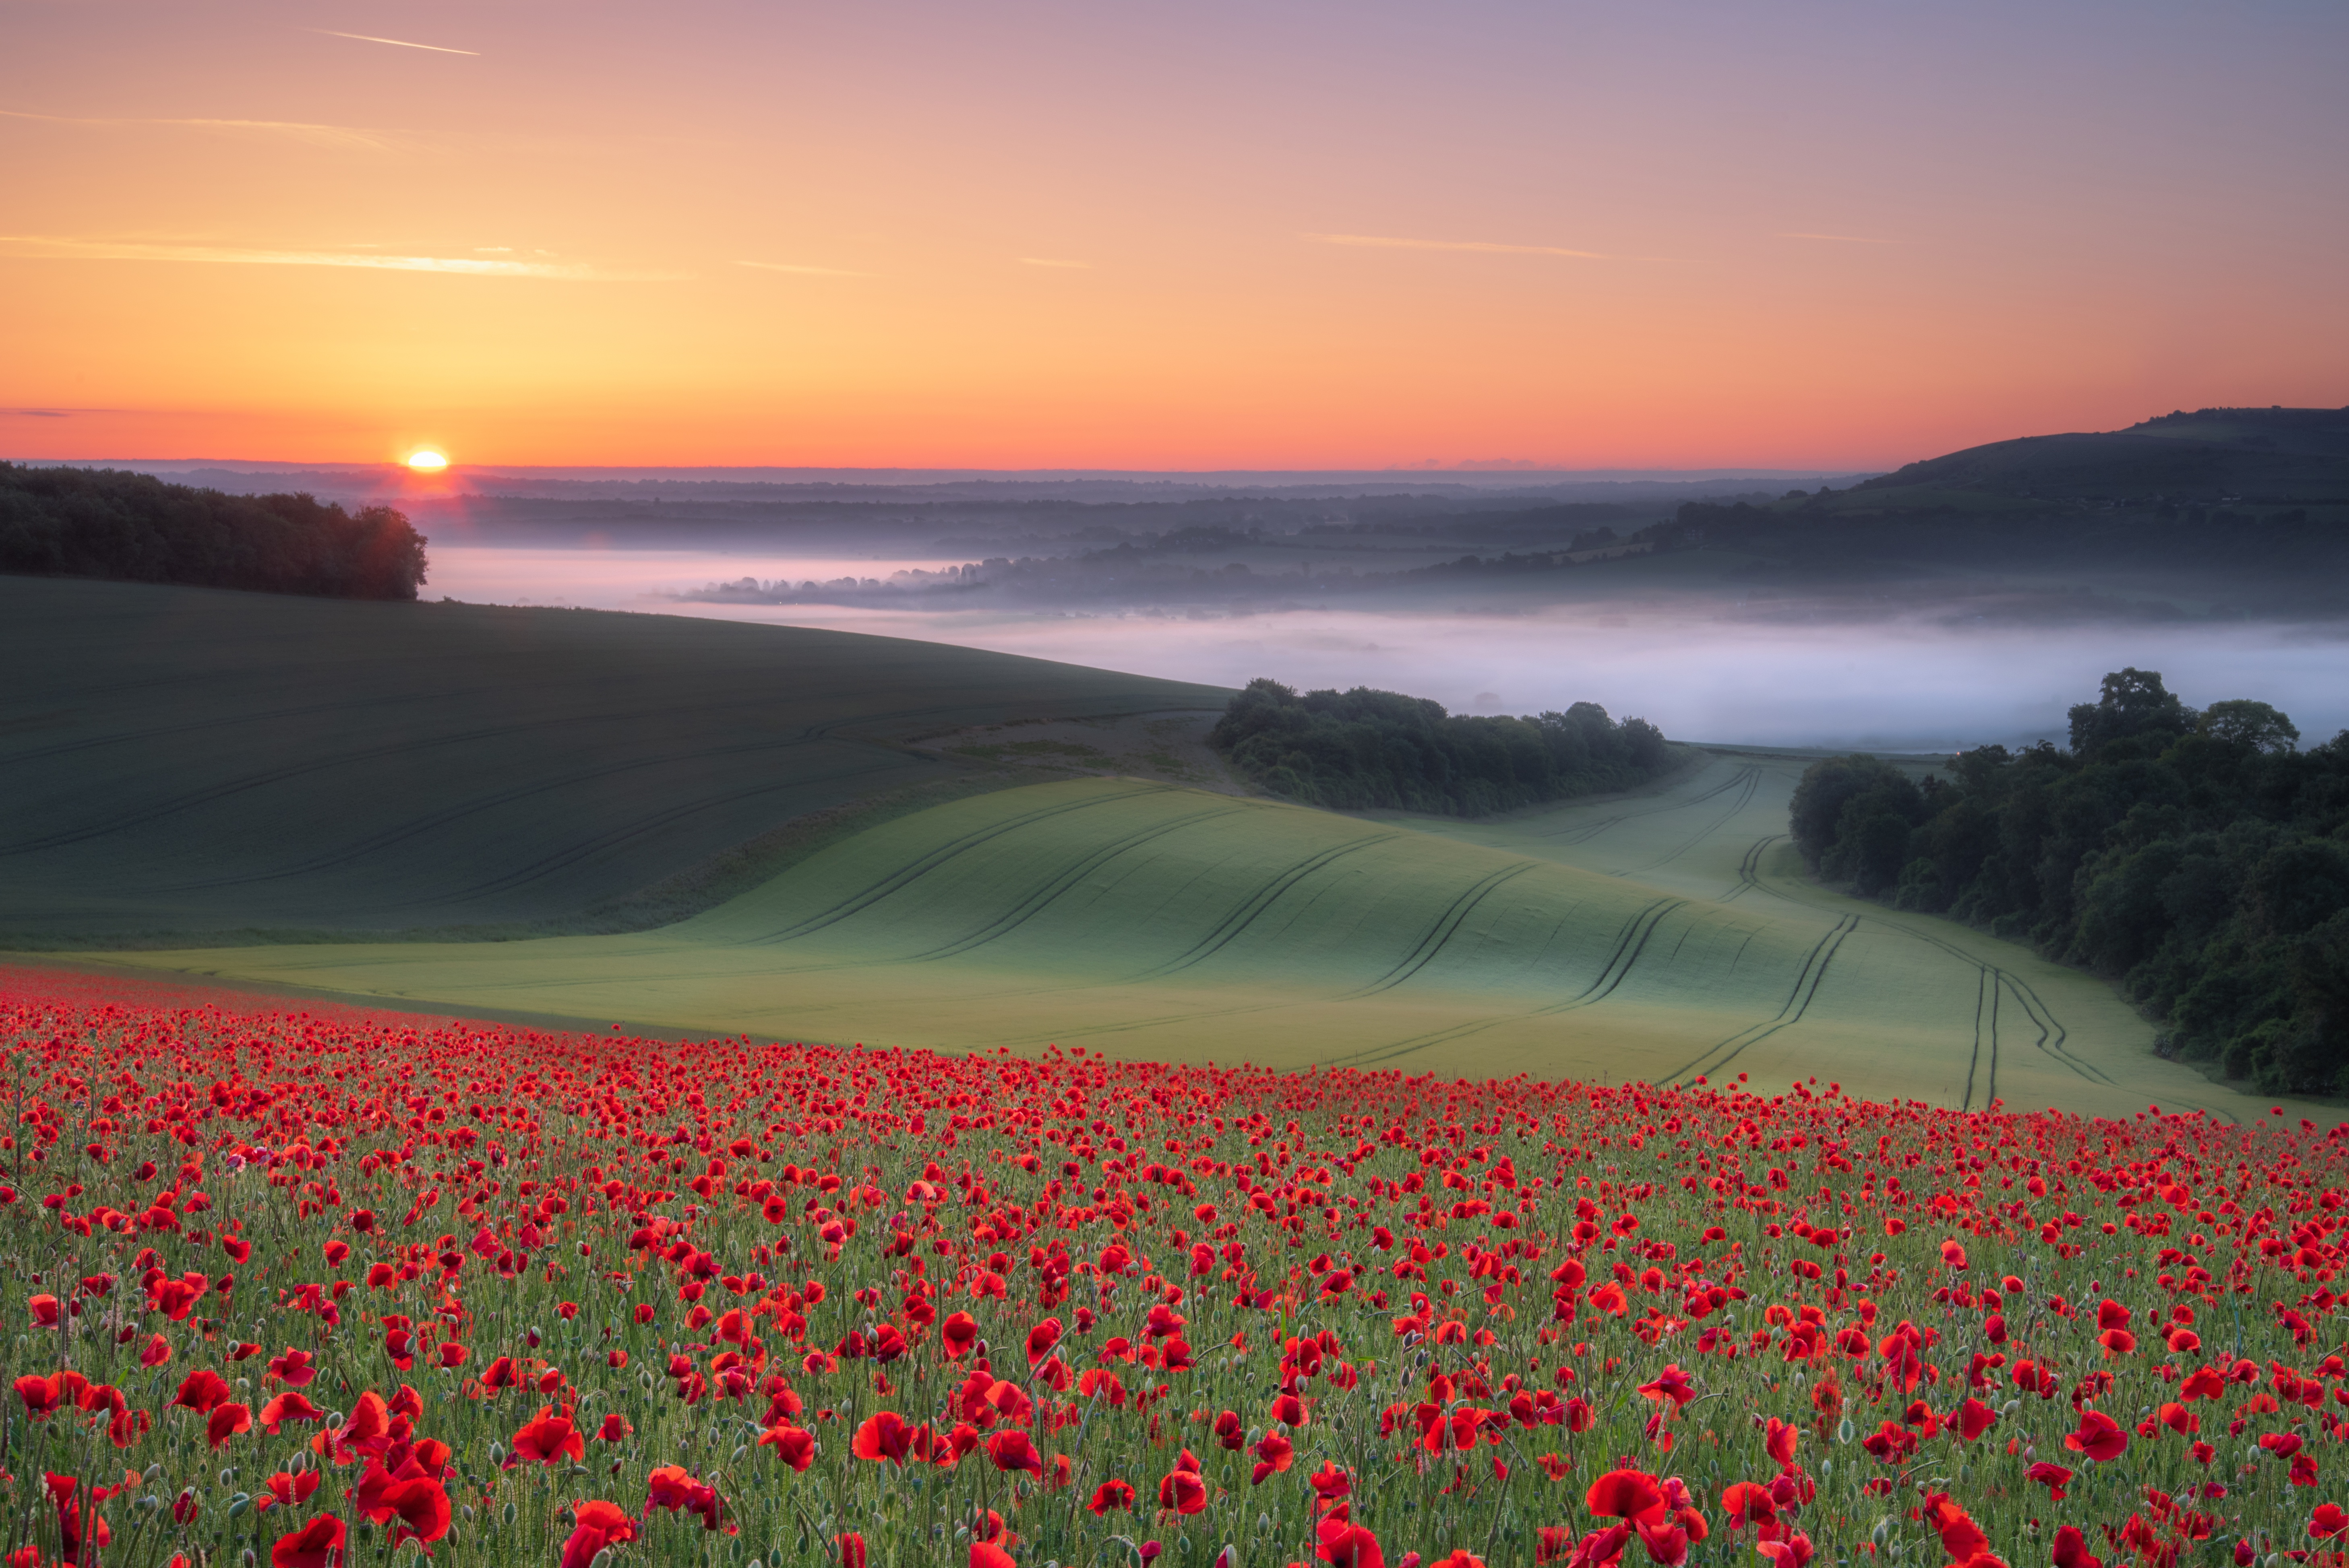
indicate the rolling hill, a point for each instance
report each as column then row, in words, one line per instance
column 1654, row 937
column 2264, row 454
column 194, row 760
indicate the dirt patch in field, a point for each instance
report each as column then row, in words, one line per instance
column 1168, row 746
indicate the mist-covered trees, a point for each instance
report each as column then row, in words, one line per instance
column 2197, row 858
column 1362, row 748
column 104, row 522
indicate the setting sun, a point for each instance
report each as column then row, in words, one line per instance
column 427, row 461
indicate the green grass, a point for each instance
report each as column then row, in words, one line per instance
column 191, row 760
column 1651, row 937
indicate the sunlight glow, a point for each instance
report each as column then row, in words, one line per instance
column 427, row 461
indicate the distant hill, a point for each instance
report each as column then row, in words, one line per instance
column 2213, row 455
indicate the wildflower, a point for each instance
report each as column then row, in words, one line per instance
column 317, row 1544
column 599, row 1524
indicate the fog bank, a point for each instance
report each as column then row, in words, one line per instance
column 1695, row 668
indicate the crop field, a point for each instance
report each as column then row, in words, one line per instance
column 1653, row 940
column 327, row 1286
column 189, row 760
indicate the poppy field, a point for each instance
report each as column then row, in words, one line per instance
column 317, row 1286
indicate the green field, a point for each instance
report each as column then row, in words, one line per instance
column 223, row 764
column 193, row 760
column 1654, row 938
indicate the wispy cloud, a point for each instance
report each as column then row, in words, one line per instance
column 1841, row 239
column 400, row 42
column 799, row 270
column 335, row 135
column 52, row 247
column 1386, row 243
column 1054, row 262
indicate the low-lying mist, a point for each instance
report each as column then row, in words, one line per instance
column 1699, row 665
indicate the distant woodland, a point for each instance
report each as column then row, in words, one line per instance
column 2200, row 859
column 1365, row 748
column 102, row 522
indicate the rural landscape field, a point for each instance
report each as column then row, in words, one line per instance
column 1291, row 785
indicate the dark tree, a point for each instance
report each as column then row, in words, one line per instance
column 103, row 522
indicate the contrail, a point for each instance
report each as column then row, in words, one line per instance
column 402, row 43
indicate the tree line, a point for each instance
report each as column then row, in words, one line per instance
column 104, row 522
column 2197, row 858
column 1363, row 749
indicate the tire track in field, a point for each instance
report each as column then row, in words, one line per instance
column 1589, row 830
column 1441, row 931
column 1630, row 942
column 1751, row 778
column 1246, row 913
column 882, row 887
column 1060, row 882
column 2053, row 1034
column 1798, row 1002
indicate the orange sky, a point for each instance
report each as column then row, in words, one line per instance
column 1203, row 235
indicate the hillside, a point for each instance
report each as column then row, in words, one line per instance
column 1649, row 938
column 2252, row 456
column 191, row 760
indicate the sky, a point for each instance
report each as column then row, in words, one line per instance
column 1273, row 233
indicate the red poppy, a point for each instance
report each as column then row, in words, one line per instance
column 673, row 1487
column 2053, row 1477
column 225, row 1421
column 2100, row 1438
column 1746, row 1502
column 2071, row 1548
column 597, row 1524
column 883, row 1435
column 546, row 1438
column 1344, row 1544
column 1110, row 1496
column 988, row 1554
column 794, row 1447
column 1626, row 1494
column 1273, row 1455
column 317, row 1544
column 1183, row 1491
column 1013, row 1451
column 1970, row 1419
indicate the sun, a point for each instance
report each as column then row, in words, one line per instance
column 427, row 461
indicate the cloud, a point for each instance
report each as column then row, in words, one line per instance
column 1841, row 239
column 1384, row 243
column 401, row 43
column 1051, row 262
column 333, row 136
column 53, row 248
column 795, row 268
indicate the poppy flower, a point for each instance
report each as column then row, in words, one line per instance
column 225, row 1421
column 794, row 1447
column 957, row 1333
column 2100, row 1438
column 1746, row 1502
column 883, row 1435
column 421, row 1503
column 1970, row 1419
column 317, row 1544
column 1778, row 1439
column 289, row 1406
column 1344, row 1544
column 2055, row 1478
column 1013, row 1451
column 674, row 1488
column 1110, row 1496
column 1626, row 1494
column 293, row 1369
column 1183, row 1491
column 596, row 1525
column 2330, row 1522
column 1273, row 1455
column 616, row 1428
column 2071, row 1548
column 1790, row 1551
column 546, row 1438
column 43, row 1395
